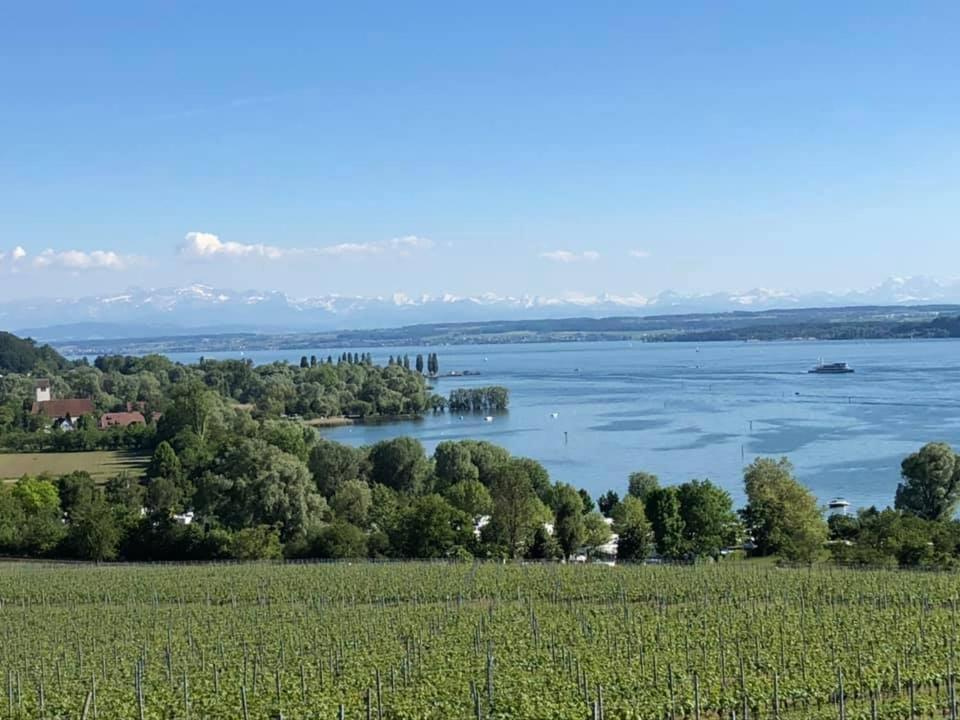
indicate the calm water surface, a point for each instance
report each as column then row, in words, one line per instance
column 684, row 411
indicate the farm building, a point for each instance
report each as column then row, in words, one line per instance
column 121, row 419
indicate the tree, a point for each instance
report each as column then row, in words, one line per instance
column 515, row 508
column 431, row 528
column 304, row 363
column 634, row 534
column 568, row 526
column 544, row 546
column 261, row 542
column 453, row 464
column 663, row 511
column 642, row 484
column 781, row 513
column 351, row 502
column 709, row 522
column 596, row 532
column 419, row 364
column 931, row 487
column 608, row 503
column 94, row 533
column 41, row 527
column 164, row 463
column 332, row 464
column 399, row 464
column 75, row 489
column 588, row 504
column 340, row 540
column 471, row 497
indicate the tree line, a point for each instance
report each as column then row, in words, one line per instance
column 349, row 385
column 493, row 398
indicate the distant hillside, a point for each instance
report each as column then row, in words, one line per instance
column 936, row 321
column 19, row 355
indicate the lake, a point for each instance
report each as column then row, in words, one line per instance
column 684, row 411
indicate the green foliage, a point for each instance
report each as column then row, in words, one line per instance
column 25, row 356
column 431, row 528
column 642, row 484
column 607, row 503
column 453, row 464
column 351, row 502
column 569, row 528
column 261, row 542
column 399, row 464
column 931, row 486
column 209, row 641
column 709, row 521
column 494, row 398
column 332, row 464
column 663, row 510
column 781, row 514
column 516, row 509
column 635, row 540
column 471, row 497
column 340, row 540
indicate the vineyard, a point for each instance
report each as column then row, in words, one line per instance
column 418, row 640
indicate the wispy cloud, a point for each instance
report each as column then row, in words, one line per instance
column 639, row 254
column 204, row 245
column 78, row 259
column 567, row 256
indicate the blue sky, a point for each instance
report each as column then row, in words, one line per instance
column 540, row 148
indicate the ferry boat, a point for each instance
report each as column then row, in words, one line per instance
column 837, row 368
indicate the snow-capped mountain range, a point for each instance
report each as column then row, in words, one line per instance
column 141, row 312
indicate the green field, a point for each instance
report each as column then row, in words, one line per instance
column 101, row 464
column 415, row 641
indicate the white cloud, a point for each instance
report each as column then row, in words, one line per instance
column 399, row 245
column 566, row 256
column 639, row 254
column 18, row 253
column 77, row 259
column 207, row 246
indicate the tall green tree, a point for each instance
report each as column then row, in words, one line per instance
column 351, row 502
column 596, row 532
column 634, row 534
column 471, row 497
column 709, row 521
column 516, row 508
column 94, row 532
column 568, row 525
column 332, row 464
column 400, row 464
column 642, row 484
column 663, row 511
column 453, row 464
column 931, row 483
column 782, row 514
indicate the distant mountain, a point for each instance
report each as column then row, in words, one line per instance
column 197, row 309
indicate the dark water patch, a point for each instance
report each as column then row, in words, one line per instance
column 634, row 425
column 702, row 441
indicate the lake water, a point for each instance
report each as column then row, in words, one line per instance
column 684, row 411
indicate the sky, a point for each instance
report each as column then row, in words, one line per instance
column 541, row 148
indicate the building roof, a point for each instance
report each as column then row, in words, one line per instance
column 42, row 384
column 121, row 419
column 74, row 407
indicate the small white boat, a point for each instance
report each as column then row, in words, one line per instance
column 488, row 418
column 554, row 415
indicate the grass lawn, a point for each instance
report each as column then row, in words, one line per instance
column 101, row 464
